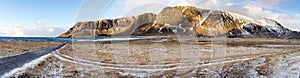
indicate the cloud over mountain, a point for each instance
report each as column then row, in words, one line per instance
column 256, row 9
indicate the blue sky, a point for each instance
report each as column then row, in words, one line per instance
column 291, row 5
column 52, row 17
column 52, row 13
column 26, row 12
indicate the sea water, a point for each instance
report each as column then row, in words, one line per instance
column 62, row 39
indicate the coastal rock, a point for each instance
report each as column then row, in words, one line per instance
column 182, row 19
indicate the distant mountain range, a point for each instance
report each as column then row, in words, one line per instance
column 183, row 20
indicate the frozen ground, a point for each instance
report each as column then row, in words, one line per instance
column 224, row 57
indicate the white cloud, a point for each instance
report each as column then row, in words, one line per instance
column 268, row 3
column 39, row 22
column 229, row 4
column 1, row 34
column 37, row 30
column 289, row 22
column 128, row 5
column 51, row 29
column 210, row 4
column 4, row 31
column 41, row 31
column 258, row 12
column 180, row 3
column 136, row 7
column 298, row 15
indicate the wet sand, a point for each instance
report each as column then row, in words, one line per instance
column 169, row 58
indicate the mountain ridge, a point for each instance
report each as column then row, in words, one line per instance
column 186, row 20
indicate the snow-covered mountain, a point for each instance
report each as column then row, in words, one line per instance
column 184, row 20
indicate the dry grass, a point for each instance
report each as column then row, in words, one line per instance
column 153, row 52
column 9, row 48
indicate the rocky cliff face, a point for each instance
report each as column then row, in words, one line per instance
column 183, row 19
column 269, row 29
column 108, row 27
